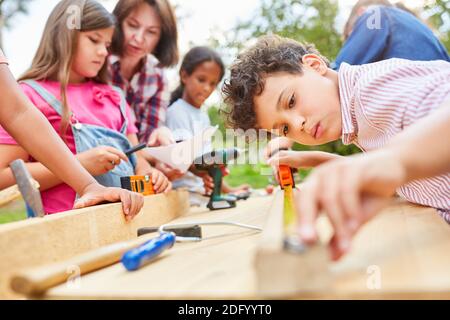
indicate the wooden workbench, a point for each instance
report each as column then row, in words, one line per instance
column 402, row 253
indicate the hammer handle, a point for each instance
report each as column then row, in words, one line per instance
column 37, row 280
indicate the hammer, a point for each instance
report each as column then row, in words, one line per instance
column 28, row 188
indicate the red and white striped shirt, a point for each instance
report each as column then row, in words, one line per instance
column 381, row 99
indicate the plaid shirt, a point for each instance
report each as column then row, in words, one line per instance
column 147, row 94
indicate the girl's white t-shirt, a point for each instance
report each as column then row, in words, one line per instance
column 185, row 121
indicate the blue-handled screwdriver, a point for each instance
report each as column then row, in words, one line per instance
column 136, row 258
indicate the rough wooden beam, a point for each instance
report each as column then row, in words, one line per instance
column 59, row 237
column 281, row 273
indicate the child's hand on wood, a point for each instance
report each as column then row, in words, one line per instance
column 350, row 191
column 100, row 160
column 95, row 193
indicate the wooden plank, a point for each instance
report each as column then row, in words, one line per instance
column 281, row 273
column 220, row 266
column 59, row 237
column 407, row 244
column 403, row 252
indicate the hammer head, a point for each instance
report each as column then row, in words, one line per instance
column 27, row 188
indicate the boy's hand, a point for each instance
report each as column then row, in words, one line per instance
column 95, row 193
column 100, row 160
column 301, row 159
column 350, row 191
column 277, row 144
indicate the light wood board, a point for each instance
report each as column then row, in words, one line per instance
column 406, row 248
column 40, row 241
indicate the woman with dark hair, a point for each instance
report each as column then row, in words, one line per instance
column 144, row 44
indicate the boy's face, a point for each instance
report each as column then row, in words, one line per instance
column 304, row 108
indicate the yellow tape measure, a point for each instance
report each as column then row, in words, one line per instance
column 292, row 240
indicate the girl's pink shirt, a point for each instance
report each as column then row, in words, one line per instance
column 91, row 103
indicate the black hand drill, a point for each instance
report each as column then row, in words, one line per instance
column 214, row 162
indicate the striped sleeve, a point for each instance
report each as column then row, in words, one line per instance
column 399, row 92
column 392, row 95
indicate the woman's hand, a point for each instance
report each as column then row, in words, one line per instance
column 100, row 160
column 161, row 137
column 95, row 193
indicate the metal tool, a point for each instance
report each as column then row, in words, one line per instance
column 136, row 258
column 292, row 241
column 28, row 189
column 191, row 231
column 215, row 163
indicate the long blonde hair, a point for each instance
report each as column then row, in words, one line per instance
column 59, row 42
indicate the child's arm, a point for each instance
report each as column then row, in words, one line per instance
column 302, row 159
column 294, row 159
column 276, row 144
column 96, row 161
column 32, row 131
column 9, row 153
column 352, row 190
column 143, row 167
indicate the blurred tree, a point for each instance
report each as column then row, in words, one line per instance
column 437, row 12
column 8, row 9
column 310, row 21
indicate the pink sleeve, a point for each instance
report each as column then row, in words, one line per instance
column 131, row 129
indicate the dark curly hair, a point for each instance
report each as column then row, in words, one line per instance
column 269, row 55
